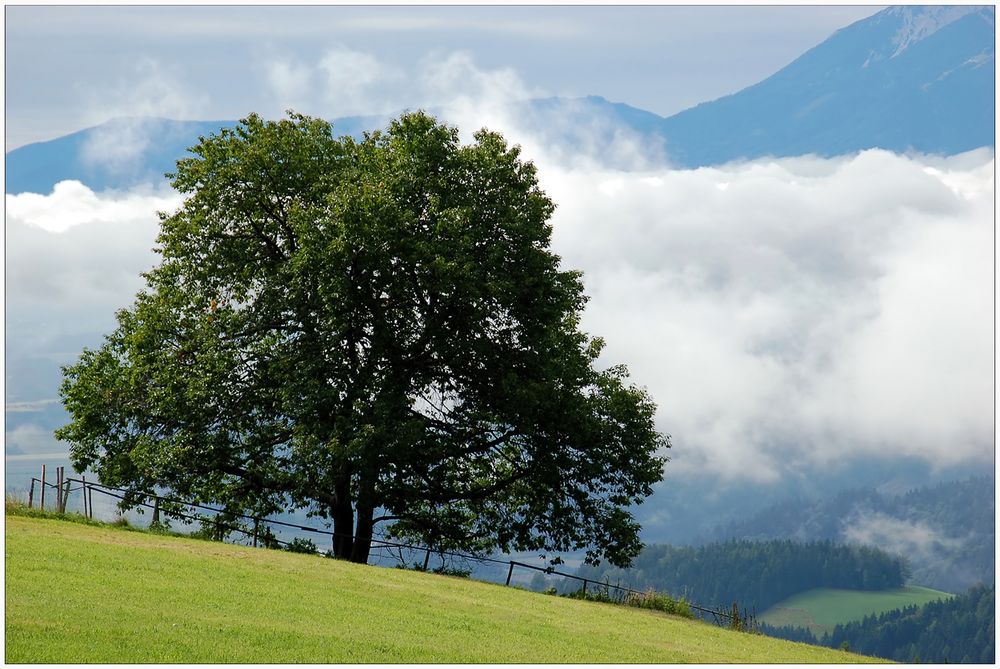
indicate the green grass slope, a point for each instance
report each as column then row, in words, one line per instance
column 79, row 593
column 823, row 609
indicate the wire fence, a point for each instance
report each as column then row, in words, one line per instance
column 259, row 532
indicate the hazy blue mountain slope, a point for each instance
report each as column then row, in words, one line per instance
column 945, row 530
column 158, row 143
column 590, row 126
column 882, row 82
column 96, row 158
column 612, row 134
column 593, row 109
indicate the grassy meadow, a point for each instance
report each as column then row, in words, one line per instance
column 823, row 609
column 83, row 593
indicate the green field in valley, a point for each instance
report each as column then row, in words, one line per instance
column 823, row 609
column 80, row 593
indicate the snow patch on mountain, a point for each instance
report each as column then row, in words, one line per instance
column 976, row 61
column 979, row 60
column 919, row 23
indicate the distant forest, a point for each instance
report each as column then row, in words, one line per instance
column 954, row 521
column 755, row 574
column 961, row 629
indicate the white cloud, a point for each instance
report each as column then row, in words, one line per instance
column 79, row 250
column 31, row 441
column 345, row 81
column 341, row 82
column 72, row 204
column 812, row 310
column 895, row 535
column 455, row 80
column 29, row 407
column 352, row 80
column 289, row 81
column 149, row 92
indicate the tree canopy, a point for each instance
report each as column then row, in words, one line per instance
column 375, row 331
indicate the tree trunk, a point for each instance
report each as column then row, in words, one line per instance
column 363, row 534
column 343, row 521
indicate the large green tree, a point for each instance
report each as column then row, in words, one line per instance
column 375, row 331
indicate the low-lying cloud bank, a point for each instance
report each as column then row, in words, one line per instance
column 797, row 312
column 77, row 249
column 896, row 535
column 784, row 313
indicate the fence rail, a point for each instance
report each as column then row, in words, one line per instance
column 64, row 487
column 603, row 584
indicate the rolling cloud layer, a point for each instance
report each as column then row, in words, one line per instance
column 781, row 313
column 795, row 312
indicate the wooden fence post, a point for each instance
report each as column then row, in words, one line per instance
column 31, row 492
column 65, row 497
column 90, row 499
column 41, row 504
column 86, row 508
column 509, row 573
column 58, row 489
column 427, row 559
column 256, row 525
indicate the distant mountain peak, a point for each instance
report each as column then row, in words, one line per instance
column 904, row 26
column 919, row 23
column 906, row 79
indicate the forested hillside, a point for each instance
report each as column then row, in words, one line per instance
column 960, row 629
column 756, row 574
column 946, row 531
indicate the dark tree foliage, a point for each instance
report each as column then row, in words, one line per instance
column 961, row 629
column 755, row 574
column 375, row 331
column 791, row 633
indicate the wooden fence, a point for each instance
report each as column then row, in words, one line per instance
column 64, row 486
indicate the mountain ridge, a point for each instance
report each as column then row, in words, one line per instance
column 907, row 79
column 836, row 98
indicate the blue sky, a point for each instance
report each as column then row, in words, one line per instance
column 69, row 67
